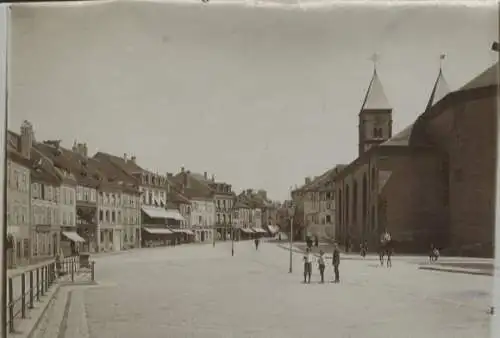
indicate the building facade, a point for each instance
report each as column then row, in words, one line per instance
column 45, row 211
column 18, row 195
column 202, row 207
column 432, row 183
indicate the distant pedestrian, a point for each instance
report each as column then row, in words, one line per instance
column 336, row 263
column 309, row 242
column 256, row 244
column 363, row 248
column 321, row 265
column 308, row 259
column 434, row 253
column 316, row 241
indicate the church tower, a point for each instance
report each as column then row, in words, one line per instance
column 375, row 117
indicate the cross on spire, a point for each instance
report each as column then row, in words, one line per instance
column 441, row 59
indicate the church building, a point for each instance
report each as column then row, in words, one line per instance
column 432, row 183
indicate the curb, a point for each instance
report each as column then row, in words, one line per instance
column 465, row 272
column 42, row 313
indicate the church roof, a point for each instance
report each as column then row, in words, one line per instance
column 487, row 78
column 375, row 98
column 400, row 139
column 439, row 91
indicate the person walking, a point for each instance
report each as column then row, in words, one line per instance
column 321, row 265
column 256, row 244
column 336, row 262
column 308, row 259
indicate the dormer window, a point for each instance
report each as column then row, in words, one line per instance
column 83, row 173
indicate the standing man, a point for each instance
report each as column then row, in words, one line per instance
column 308, row 260
column 321, row 265
column 256, row 244
column 336, row 262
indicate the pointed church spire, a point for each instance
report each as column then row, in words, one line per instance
column 440, row 88
column 375, row 98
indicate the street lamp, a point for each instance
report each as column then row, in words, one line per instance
column 291, row 212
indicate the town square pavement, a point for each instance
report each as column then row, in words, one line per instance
column 201, row 291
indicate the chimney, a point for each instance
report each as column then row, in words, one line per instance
column 205, row 175
column 182, row 169
column 249, row 192
column 85, row 150
column 133, row 158
column 125, row 157
column 213, row 178
column 27, row 136
column 308, row 180
column 186, row 181
column 169, row 175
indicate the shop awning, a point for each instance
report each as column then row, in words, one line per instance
column 177, row 231
column 174, row 214
column 158, row 231
column 273, row 228
column 73, row 236
column 189, row 232
column 259, row 230
column 155, row 212
column 247, row 230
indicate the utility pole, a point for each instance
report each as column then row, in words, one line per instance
column 291, row 213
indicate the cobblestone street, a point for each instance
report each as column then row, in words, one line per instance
column 199, row 291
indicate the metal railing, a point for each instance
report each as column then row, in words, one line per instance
column 26, row 287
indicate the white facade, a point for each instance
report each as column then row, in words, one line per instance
column 256, row 218
column 45, row 212
column 319, row 213
column 154, row 196
column 202, row 218
column 131, row 206
column 67, row 206
column 242, row 218
column 119, row 219
column 18, row 210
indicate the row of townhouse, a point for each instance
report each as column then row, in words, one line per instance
column 65, row 199
column 315, row 205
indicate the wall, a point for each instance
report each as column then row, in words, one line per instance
column 468, row 135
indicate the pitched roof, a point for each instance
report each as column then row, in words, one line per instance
column 16, row 157
column 375, row 98
column 487, row 78
column 128, row 166
column 85, row 170
column 43, row 170
column 401, row 139
column 195, row 188
column 177, row 197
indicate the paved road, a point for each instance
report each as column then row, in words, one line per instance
column 199, row 291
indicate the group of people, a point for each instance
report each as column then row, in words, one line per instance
column 309, row 261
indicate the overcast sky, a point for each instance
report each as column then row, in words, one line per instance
column 259, row 97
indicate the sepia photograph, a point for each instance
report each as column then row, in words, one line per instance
column 249, row 169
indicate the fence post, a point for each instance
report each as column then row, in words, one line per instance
column 31, row 289
column 47, row 277
column 92, row 271
column 38, row 284
column 11, row 306
column 23, row 295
